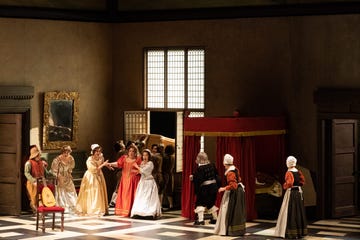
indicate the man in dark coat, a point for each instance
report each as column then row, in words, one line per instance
column 206, row 188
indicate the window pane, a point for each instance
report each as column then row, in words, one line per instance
column 196, row 76
column 135, row 122
column 176, row 79
column 155, row 79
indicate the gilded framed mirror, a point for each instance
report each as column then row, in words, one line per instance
column 61, row 119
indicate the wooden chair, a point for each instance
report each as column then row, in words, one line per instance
column 42, row 210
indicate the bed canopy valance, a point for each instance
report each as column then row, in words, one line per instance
column 256, row 143
column 234, row 127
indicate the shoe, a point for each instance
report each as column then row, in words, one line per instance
column 199, row 223
column 148, row 217
column 213, row 221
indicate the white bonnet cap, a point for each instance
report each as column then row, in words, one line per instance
column 93, row 147
column 228, row 159
column 291, row 161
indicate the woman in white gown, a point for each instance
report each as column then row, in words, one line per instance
column 147, row 202
column 62, row 167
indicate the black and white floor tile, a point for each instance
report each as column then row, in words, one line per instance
column 170, row 226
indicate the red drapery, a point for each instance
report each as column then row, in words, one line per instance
column 191, row 150
column 243, row 151
column 270, row 154
column 257, row 144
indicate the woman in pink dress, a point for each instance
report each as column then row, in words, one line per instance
column 129, row 180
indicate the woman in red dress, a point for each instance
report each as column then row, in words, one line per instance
column 129, row 180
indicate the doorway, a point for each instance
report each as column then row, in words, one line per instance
column 163, row 123
column 338, row 182
column 341, row 163
column 167, row 125
column 10, row 160
column 14, row 146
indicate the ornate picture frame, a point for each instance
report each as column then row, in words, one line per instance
column 61, row 119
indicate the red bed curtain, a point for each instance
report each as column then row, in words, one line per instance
column 191, row 150
column 271, row 155
column 243, row 151
column 257, row 144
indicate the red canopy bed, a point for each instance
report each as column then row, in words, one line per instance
column 256, row 143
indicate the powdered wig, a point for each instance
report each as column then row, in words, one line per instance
column 202, row 158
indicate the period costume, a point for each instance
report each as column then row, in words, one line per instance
column 128, row 184
column 232, row 214
column 92, row 199
column 206, row 188
column 120, row 151
column 147, row 202
column 292, row 222
column 167, row 171
column 65, row 193
column 33, row 169
column 157, row 173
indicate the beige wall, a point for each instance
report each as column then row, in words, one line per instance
column 264, row 66
column 62, row 56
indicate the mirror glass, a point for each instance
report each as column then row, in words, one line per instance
column 60, row 119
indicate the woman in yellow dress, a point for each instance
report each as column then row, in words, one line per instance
column 92, row 199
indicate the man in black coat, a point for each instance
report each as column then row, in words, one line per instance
column 206, row 187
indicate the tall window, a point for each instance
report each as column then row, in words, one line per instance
column 175, row 78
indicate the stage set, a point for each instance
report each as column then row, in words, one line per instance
column 258, row 145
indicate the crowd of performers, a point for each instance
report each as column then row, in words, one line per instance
column 146, row 178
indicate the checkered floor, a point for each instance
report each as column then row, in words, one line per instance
column 170, row 226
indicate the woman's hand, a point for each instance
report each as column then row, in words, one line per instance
column 135, row 165
column 191, row 177
column 104, row 164
column 110, row 166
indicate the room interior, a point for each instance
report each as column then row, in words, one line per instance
column 269, row 59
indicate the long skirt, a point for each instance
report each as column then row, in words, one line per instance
column 66, row 197
column 92, row 199
column 146, row 202
column 232, row 214
column 291, row 222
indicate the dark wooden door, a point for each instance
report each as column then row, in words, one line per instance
column 344, row 164
column 10, row 160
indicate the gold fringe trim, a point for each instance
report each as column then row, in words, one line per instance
column 235, row 134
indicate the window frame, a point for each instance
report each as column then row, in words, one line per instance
column 186, row 93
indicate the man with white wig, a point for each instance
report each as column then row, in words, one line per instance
column 206, row 188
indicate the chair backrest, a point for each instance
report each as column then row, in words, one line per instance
column 50, row 183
